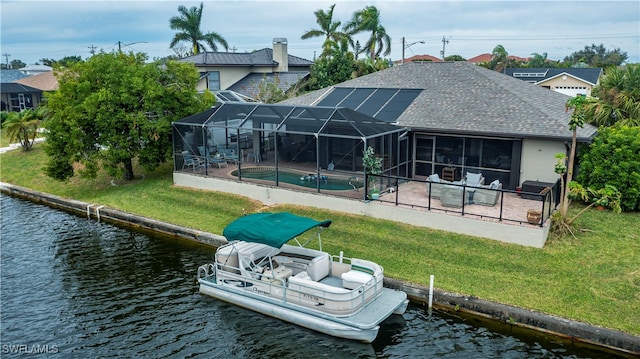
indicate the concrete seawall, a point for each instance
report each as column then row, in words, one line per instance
column 579, row 332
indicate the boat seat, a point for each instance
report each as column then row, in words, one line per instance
column 302, row 282
column 354, row 279
column 318, row 267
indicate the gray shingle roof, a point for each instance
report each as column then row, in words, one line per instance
column 249, row 84
column 262, row 57
column 459, row 97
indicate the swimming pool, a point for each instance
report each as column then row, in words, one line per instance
column 327, row 182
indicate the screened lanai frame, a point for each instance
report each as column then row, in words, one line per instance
column 262, row 128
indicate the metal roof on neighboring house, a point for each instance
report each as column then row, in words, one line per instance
column 538, row 75
column 460, row 97
column 8, row 76
column 35, row 69
column 262, row 57
column 17, row 88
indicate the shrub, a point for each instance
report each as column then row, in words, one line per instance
column 612, row 159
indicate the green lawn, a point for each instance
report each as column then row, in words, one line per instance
column 4, row 140
column 593, row 279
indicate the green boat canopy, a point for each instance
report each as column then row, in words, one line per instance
column 272, row 229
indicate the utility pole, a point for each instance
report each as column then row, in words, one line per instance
column 92, row 49
column 406, row 46
column 6, row 59
column 444, row 43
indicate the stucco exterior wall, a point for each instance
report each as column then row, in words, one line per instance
column 568, row 85
column 230, row 75
column 538, row 160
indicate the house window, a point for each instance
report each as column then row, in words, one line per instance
column 20, row 102
column 214, row 80
column 492, row 157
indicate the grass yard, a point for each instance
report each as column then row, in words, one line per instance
column 4, row 140
column 593, row 279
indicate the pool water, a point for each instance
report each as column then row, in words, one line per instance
column 330, row 183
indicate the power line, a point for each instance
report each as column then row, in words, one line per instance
column 92, row 49
column 550, row 37
column 120, row 44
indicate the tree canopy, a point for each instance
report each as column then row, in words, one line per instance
column 189, row 22
column 22, row 126
column 368, row 20
column 115, row 107
column 65, row 61
column 14, row 64
column 335, row 66
column 596, row 56
column 616, row 98
column 328, row 28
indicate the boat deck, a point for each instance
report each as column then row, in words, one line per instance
column 378, row 310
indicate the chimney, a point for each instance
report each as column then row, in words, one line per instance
column 280, row 54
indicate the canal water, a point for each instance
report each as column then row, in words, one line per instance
column 75, row 288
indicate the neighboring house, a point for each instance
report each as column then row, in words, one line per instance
column 35, row 69
column 21, row 91
column 419, row 58
column 8, row 76
column 463, row 116
column 18, row 97
column 242, row 72
column 484, row 58
column 569, row 81
column 45, row 81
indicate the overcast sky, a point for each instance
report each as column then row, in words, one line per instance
column 32, row 30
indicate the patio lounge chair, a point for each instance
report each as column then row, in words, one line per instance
column 451, row 196
column 229, row 155
column 488, row 195
column 474, row 179
column 211, row 159
column 190, row 160
column 435, row 184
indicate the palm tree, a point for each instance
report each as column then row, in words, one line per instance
column 538, row 60
column 23, row 127
column 499, row 57
column 328, row 29
column 189, row 23
column 368, row 19
column 618, row 98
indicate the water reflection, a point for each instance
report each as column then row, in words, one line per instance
column 91, row 289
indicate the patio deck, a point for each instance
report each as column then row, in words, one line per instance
column 510, row 207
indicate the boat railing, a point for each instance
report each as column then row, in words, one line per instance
column 321, row 295
column 327, row 298
column 341, row 264
column 206, row 271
